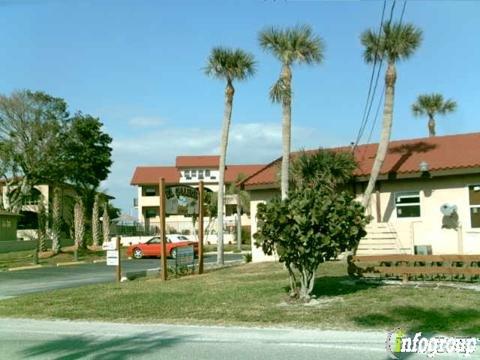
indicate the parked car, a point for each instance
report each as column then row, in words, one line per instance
column 153, row 247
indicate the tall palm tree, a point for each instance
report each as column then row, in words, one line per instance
column 395, row 42
column 228, row 65
column 430, row 105
column 289, row 46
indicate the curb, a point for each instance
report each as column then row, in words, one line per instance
column 71, row 263
column 99, row 261
column 25, row 267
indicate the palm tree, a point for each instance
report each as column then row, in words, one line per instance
column 96, row 231
column 395, row 42
column 242, row 201
column 228, row 65
column 56, row 219
column 289, row 46
column 430, row 105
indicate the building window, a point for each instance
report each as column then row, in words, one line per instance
column 207, row 173
column 474, row 197
column 149, row 191
column 200, row 174
column 186, row 173
column 407, row 204
column 33, row 198
column 194, row 173
column 151, row 213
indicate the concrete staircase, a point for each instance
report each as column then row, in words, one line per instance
column 381, row 239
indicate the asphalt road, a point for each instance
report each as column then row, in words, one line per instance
column 20, row 282
column 43, row 339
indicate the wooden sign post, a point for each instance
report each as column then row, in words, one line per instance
column 163, row 234
column 200, row 228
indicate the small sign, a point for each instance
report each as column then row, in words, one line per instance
column 110, row 245
column 185, row 256
column 112, row 257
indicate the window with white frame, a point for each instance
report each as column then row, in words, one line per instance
column 186, row 173
column 149, row 191
column 200, row 174
column 474, row 200
column 207, row 173
column 407, row 204
column 194, row 173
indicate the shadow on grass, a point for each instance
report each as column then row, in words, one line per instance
column 337, row 286
column 79, row 347
column 428, row 321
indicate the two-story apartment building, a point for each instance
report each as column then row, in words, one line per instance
column 188, row 170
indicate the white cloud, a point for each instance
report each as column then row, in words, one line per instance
column 248, row 143
column 146, row 121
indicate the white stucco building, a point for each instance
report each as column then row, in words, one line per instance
column 427, row 198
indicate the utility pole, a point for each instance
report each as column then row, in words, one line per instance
column 200, row 228
column 163, row 257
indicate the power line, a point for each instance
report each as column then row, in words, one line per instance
column 364, row 118
column 383, row 91
column 369, row 103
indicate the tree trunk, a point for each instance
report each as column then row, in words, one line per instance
column 79, row 223
column 239, row 224
column 390, row 78
column 431, row 126
column 227, row 116
column 56, row 220
column 106, row 224
column 96, row 222
column 286, row 128
column 307, row 280
column 42, row 225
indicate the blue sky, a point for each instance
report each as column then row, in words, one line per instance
column 138, row 66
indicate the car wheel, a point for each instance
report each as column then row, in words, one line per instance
column 137, row 253
column 173, row 253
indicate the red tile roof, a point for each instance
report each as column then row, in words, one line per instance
column 202, row 161
column 404, row 156
column 145, row 175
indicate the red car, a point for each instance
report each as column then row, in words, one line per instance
column 153, row 247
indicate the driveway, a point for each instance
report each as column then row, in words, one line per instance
column 20, row 282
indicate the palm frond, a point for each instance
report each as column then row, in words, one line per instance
column 296, row 44
column 432, row 104
column 280, row 91
column 230, row 64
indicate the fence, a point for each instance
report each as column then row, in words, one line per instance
column 417, row 267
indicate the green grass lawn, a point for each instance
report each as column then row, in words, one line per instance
column 25, row 258
column 256, row 294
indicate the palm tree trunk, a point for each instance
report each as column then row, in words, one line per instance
column 96, row 222
column 431, row 126
column 390, row 78
column 239, row 224
column 106, row 223
column 79, row 223
column 56, row 218
column 286, row 129
column 227, row 116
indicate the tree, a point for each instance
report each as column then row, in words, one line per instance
column 79, row 223
column 42, row 225
column 330, row 169
column 318, row 220
column 431, row 105
column 31, row 128
column 56, row 228
column 228, row 65
column 96, row 232
column 242, row 200
column 396, row 42
column 289, row 46
column 106, row 223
